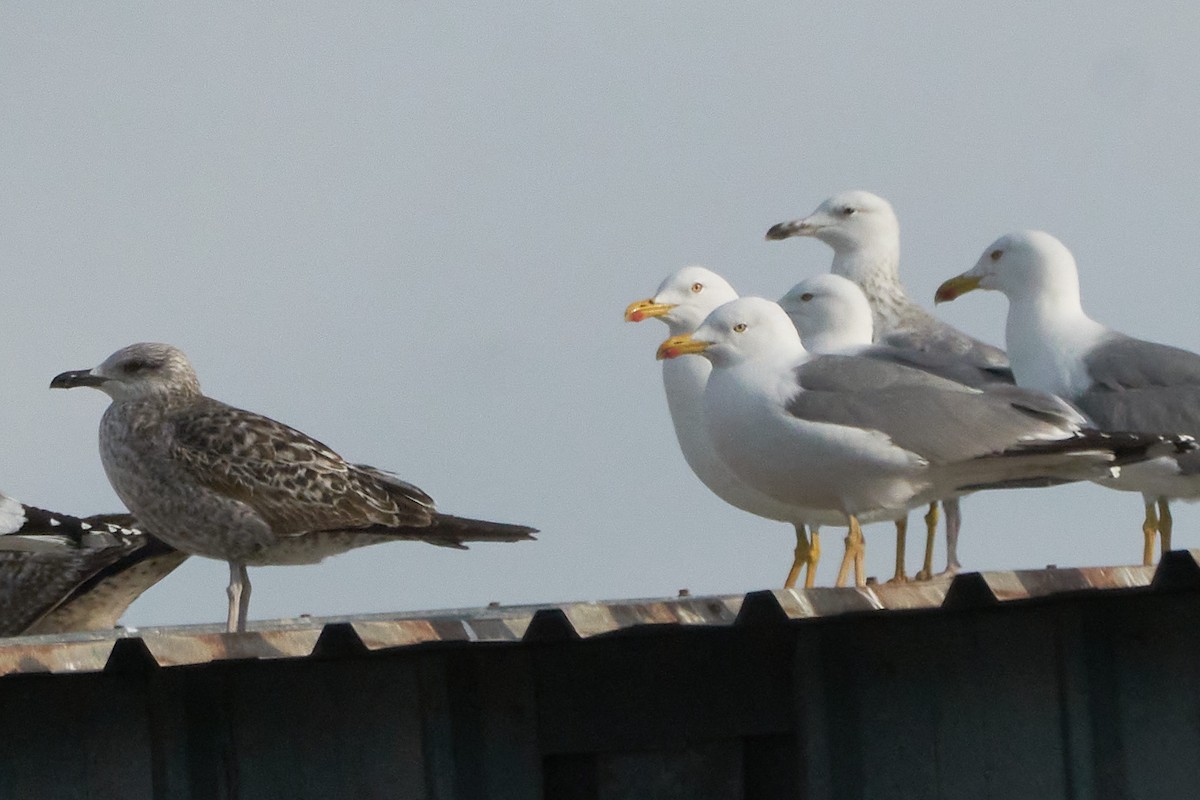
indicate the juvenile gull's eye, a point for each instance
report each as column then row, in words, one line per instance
column 848, row 210
column 995, row 255
column 806, row 296
column 137, row 366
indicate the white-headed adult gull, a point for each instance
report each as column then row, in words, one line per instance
column 682, row 301
column 1122, row 383
column 854, row 435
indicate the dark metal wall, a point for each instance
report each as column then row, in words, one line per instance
column 1090, row 694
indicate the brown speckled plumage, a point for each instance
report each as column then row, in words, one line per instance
column 218, row 481
column 61, row 574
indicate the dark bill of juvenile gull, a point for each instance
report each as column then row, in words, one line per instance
column 852, row 434
column 864, row 233
column 63, row 574
column 1121, row 382
column 217, row 481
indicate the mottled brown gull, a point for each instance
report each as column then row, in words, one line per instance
column 864, row 233
column 1119, row 381
column 220, row 482
column 60, row 573
column 852, row 434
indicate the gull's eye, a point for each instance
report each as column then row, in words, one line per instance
column 697, row 288
column 848, row 210
column 806, row 296
column 995, row 255
column 739, row 328
column 133, row 367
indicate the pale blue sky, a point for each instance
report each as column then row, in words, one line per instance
column 411, row 229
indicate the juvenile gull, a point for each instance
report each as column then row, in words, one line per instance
column 864, row 233
column 682, row 301
column 60, row 573
column 851, row 434
column 220, row 482
column 1122, row 383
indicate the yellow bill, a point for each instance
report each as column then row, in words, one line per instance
column 680, row 346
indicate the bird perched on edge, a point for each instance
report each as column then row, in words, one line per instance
column 864, row 233
column 61, row 574
column 833, row 317
column 853, row 435
column 682, row 301
column 1121, row 382
column 217, row 481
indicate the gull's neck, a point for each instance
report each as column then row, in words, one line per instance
column 876, row 261
column 1047, row 336
column 842, row 339
column 875, row 266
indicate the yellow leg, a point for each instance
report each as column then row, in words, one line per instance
column 1149, row 528
column 1164, row 525
column 800, row 558
column 931, row 521
column 901, row 547
column 814, row 555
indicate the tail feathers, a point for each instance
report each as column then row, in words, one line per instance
column 1125, row 447
column 1089, row 455
column 446, row 530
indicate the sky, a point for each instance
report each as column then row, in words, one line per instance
column 411, row 229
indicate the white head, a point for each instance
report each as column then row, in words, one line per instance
column 683, row 299
column 830, row 312
column 138, row 372
column 1028, row 265
column 746, row 329
column 848, row 222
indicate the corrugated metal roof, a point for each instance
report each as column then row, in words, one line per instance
column 308, row 636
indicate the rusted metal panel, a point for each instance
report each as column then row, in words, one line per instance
column 1050, row 688
column 298, row 637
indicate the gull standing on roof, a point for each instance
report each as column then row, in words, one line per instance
column 855, row 435
column 220, row 482
column 61, row 574
column 864, row 233
column 833, row 318
column 1122, row 383
column 682, row 301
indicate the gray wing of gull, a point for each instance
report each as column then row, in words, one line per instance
column 940, row 420
column 941, row 363
column 919, row 330
column 1146, row 387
